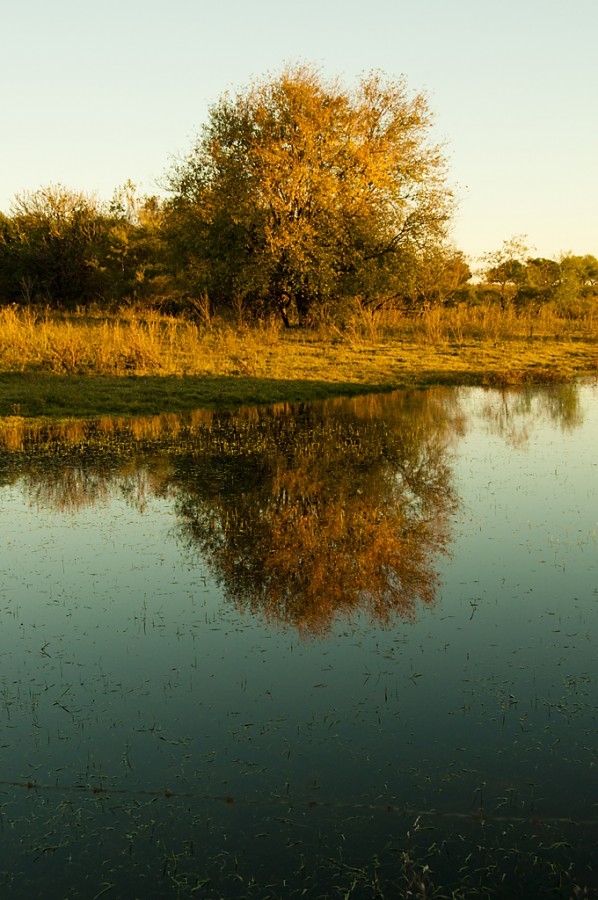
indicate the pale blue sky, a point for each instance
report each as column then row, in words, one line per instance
column 94, row 94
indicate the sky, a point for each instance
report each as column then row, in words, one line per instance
column 93, row 94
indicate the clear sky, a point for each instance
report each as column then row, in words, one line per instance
column 95, row 93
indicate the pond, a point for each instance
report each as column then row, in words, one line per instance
column 338, row 649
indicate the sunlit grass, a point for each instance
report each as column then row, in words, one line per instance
column 74, row 364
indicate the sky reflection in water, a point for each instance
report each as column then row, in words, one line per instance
column 294, row 620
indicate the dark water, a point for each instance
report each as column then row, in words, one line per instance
column 345, row 649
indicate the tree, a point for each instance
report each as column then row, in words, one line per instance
column 134, row 252
column 577, row 288
column 65, row 247
column 49, row 246
column 506, row 270
column 542, row 277
column 300, row 191
column 437, row 274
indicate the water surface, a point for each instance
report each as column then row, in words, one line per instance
column 340, row 648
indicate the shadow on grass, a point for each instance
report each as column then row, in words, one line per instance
column 65, row 396
column 34, row 395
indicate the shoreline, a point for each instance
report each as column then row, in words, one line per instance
column 299, row 371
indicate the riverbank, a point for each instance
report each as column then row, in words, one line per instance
column 87, row 366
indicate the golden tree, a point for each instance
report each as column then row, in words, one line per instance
column 300, row 191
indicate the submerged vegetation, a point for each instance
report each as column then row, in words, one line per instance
column 325, row 731
column 304, row 516
column 323, row 650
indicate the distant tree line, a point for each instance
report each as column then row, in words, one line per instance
column 301, row 199
column 67, row 249
column 514, row 277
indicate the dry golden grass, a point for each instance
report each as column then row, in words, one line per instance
column 266, row 363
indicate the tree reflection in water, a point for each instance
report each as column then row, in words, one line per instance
column 514, row 413
column 325, row 511
column 302, row 514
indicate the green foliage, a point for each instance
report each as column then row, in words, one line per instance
column 135, row 250
column 300, row 192
column 65, row 248
column 49, row 246
column 436, row 276
column 505, row 272
column 302, row 200
column 518, row 280
column 577, row 290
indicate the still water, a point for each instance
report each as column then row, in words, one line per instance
column 341, row 649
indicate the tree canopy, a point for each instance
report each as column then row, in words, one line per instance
column 521, row 280
column 49, row 247
column 300, row 191
column 67, row 248
column 301, row 198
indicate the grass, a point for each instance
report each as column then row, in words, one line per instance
column 93, row 363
